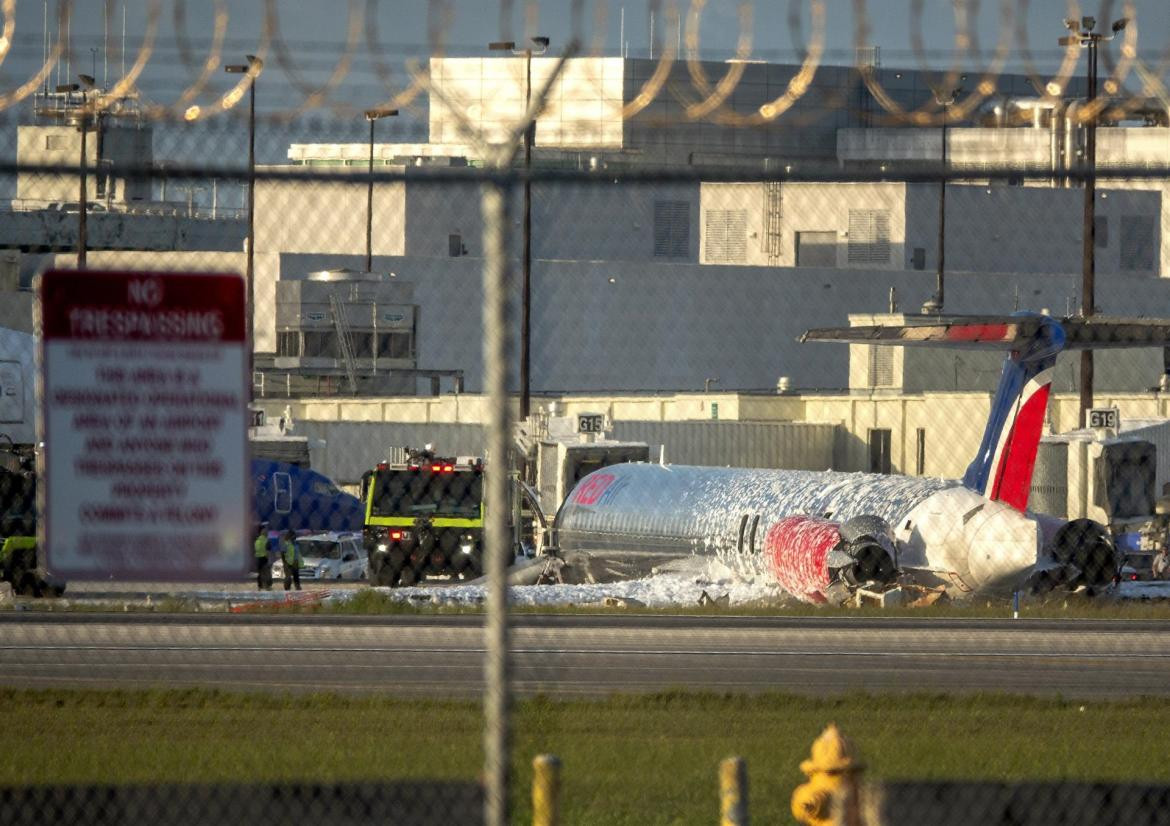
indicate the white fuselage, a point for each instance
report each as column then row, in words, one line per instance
column 969, row 542
column 947, row 534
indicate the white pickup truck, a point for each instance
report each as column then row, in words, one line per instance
column 328, row 556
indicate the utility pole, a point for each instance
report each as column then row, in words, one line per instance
column 934, row 304
column 1083, row 35
column 85, row 85
column 372, row 115
column 253, row 68
column 538, row 46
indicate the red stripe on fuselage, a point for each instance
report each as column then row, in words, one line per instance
column 795, row 550
column 1013, row 473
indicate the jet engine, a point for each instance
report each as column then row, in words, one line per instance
column 817, row 560
column 1086, row 554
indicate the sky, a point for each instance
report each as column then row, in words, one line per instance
column 314, row 34
column 310, row 41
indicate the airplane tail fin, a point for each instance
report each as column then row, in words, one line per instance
column 1002, row 468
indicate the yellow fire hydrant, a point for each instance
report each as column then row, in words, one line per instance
column 833, row 766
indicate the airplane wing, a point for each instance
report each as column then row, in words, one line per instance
column 978, row 332
column 1004, row 332
column 1111, row 332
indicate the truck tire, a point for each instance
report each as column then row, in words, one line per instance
column 382, row 571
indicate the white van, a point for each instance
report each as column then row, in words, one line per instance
column 328, row 556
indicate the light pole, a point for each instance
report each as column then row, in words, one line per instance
column 373, row 115
column 1082, row 34
column 934, row 304
column 537, row 46
column 85, row 84
column 252, row 68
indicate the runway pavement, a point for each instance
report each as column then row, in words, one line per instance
column 569, row 655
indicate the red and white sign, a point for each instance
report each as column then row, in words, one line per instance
column 143, row 407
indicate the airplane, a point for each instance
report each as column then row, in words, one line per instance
column 290, row 497
column 822, row 535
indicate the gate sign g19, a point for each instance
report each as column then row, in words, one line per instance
column 143, row 410
column 1104, row 417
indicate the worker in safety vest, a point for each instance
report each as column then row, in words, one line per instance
column 291, row 554
column 263, row 565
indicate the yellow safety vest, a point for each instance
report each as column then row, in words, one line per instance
column 261, row 546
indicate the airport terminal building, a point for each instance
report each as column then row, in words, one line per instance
column 661, row 285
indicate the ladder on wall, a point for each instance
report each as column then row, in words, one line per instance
column 344, row 341
column 773, row 212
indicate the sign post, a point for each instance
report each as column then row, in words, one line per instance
column 143, row 409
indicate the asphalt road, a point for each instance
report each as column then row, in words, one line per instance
column 568, row 656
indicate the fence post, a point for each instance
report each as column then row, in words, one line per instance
column 497, row 538
column 546, row 790
column 733, row 792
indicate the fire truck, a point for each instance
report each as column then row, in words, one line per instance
column 424, row 516
column 19, row 564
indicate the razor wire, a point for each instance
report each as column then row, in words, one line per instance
column 197, row 99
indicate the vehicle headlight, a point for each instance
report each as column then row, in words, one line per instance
column 383, row 547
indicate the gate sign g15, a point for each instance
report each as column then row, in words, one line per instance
column 143, row 411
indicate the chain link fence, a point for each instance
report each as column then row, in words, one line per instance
column 535, row 333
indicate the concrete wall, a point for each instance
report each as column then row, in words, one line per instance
column 629, row 326
column 584, row 106
column 1026, row 229
column 53, row 230
column 804, row 208
column 813, row 431
column 343, row 450
column 792, row 445
column 324, row 218
column 59, row 144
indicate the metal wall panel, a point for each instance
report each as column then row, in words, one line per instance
column 792, row 445
column 351, row 448
column 1049, row 492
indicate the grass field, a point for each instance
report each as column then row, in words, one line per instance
column 627, row 760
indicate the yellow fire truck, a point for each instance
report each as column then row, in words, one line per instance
column 424, row 516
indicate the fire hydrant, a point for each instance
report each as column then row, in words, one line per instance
column 833, row 767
